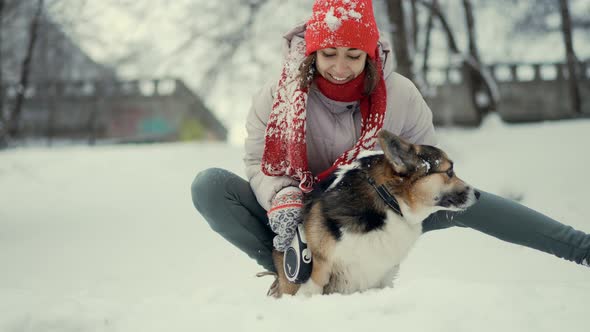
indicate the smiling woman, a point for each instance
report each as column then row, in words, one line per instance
column 338, row 88
column 326, row 64
column 340, row 65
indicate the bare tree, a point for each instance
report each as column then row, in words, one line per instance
column 7, row 11
column 470, row 23
column 13, row 125
column 440, row 16
column 426, row 49
column 476, row 82
column 415, row 25
column 572, row 62
column 229, row 38
column 2, row 4
column 478, row 79
column 401, row 42
column 535, row 18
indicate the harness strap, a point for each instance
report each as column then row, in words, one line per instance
column 386, row 196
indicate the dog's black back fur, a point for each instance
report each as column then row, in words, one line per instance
column 345, row 206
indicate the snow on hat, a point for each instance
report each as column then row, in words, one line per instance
column 342, row 23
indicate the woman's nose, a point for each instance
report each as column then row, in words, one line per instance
column 340, row 66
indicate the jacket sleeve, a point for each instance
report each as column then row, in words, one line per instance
column 407, row 114
column 419, row 128
column 264, row 187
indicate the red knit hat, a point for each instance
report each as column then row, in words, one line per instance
column 342, row 23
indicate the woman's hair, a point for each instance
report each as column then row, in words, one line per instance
column 308, row 72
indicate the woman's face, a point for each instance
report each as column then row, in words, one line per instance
column 340, row 64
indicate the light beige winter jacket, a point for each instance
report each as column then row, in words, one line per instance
column 333, row 127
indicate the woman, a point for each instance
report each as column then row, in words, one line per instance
column 337, row 89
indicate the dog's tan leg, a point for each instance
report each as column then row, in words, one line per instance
column 320, row 276
column 321, row 244
column 285, row 287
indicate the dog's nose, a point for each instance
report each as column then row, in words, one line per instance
column 477, row 193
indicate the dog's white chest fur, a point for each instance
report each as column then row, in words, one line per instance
column 371, row 260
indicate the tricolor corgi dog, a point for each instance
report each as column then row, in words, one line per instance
column 360, row 224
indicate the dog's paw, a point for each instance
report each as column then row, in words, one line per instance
column 310, row 288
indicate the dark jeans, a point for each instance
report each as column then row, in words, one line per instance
column 228, row 204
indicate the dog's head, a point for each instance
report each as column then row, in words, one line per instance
column 422, row 177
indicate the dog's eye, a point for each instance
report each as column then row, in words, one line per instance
column 450, row 173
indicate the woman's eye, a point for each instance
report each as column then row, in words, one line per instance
column 328, row 55
column 354, row 57
column 450, row 173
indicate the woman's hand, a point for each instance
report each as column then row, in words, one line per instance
column 286, row 212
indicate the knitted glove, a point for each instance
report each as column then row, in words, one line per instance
column 284, row 215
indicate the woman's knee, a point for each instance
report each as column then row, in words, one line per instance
column 207, row 186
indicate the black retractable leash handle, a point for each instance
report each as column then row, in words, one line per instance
column 297, row 261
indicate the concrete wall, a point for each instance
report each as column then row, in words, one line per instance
column 148, row 110
column 528, row 92
column 539, row 92
column 450, row 102
column 167, row 110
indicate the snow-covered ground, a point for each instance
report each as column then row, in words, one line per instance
column 106, row 239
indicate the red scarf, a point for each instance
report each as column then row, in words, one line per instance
column 347, row 92
column 285, row 151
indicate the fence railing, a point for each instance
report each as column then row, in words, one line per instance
column 528, row 92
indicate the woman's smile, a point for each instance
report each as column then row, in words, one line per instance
column 338, row 79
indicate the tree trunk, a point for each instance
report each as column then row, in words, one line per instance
column 474, row 79
column 435, row 10
column 429, row 25
column 14, row 121
column 53, row 92
column 415, row 26
column 572, row 63
column 471, row 64
column 395, row 11
column 97, row 108
column 3, row 123
column 469, row 20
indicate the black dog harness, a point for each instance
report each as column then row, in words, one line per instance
column 386, row 196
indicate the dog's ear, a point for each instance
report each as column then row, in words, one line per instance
column 400, row 154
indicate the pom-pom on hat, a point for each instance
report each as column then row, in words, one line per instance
column 342, row 23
